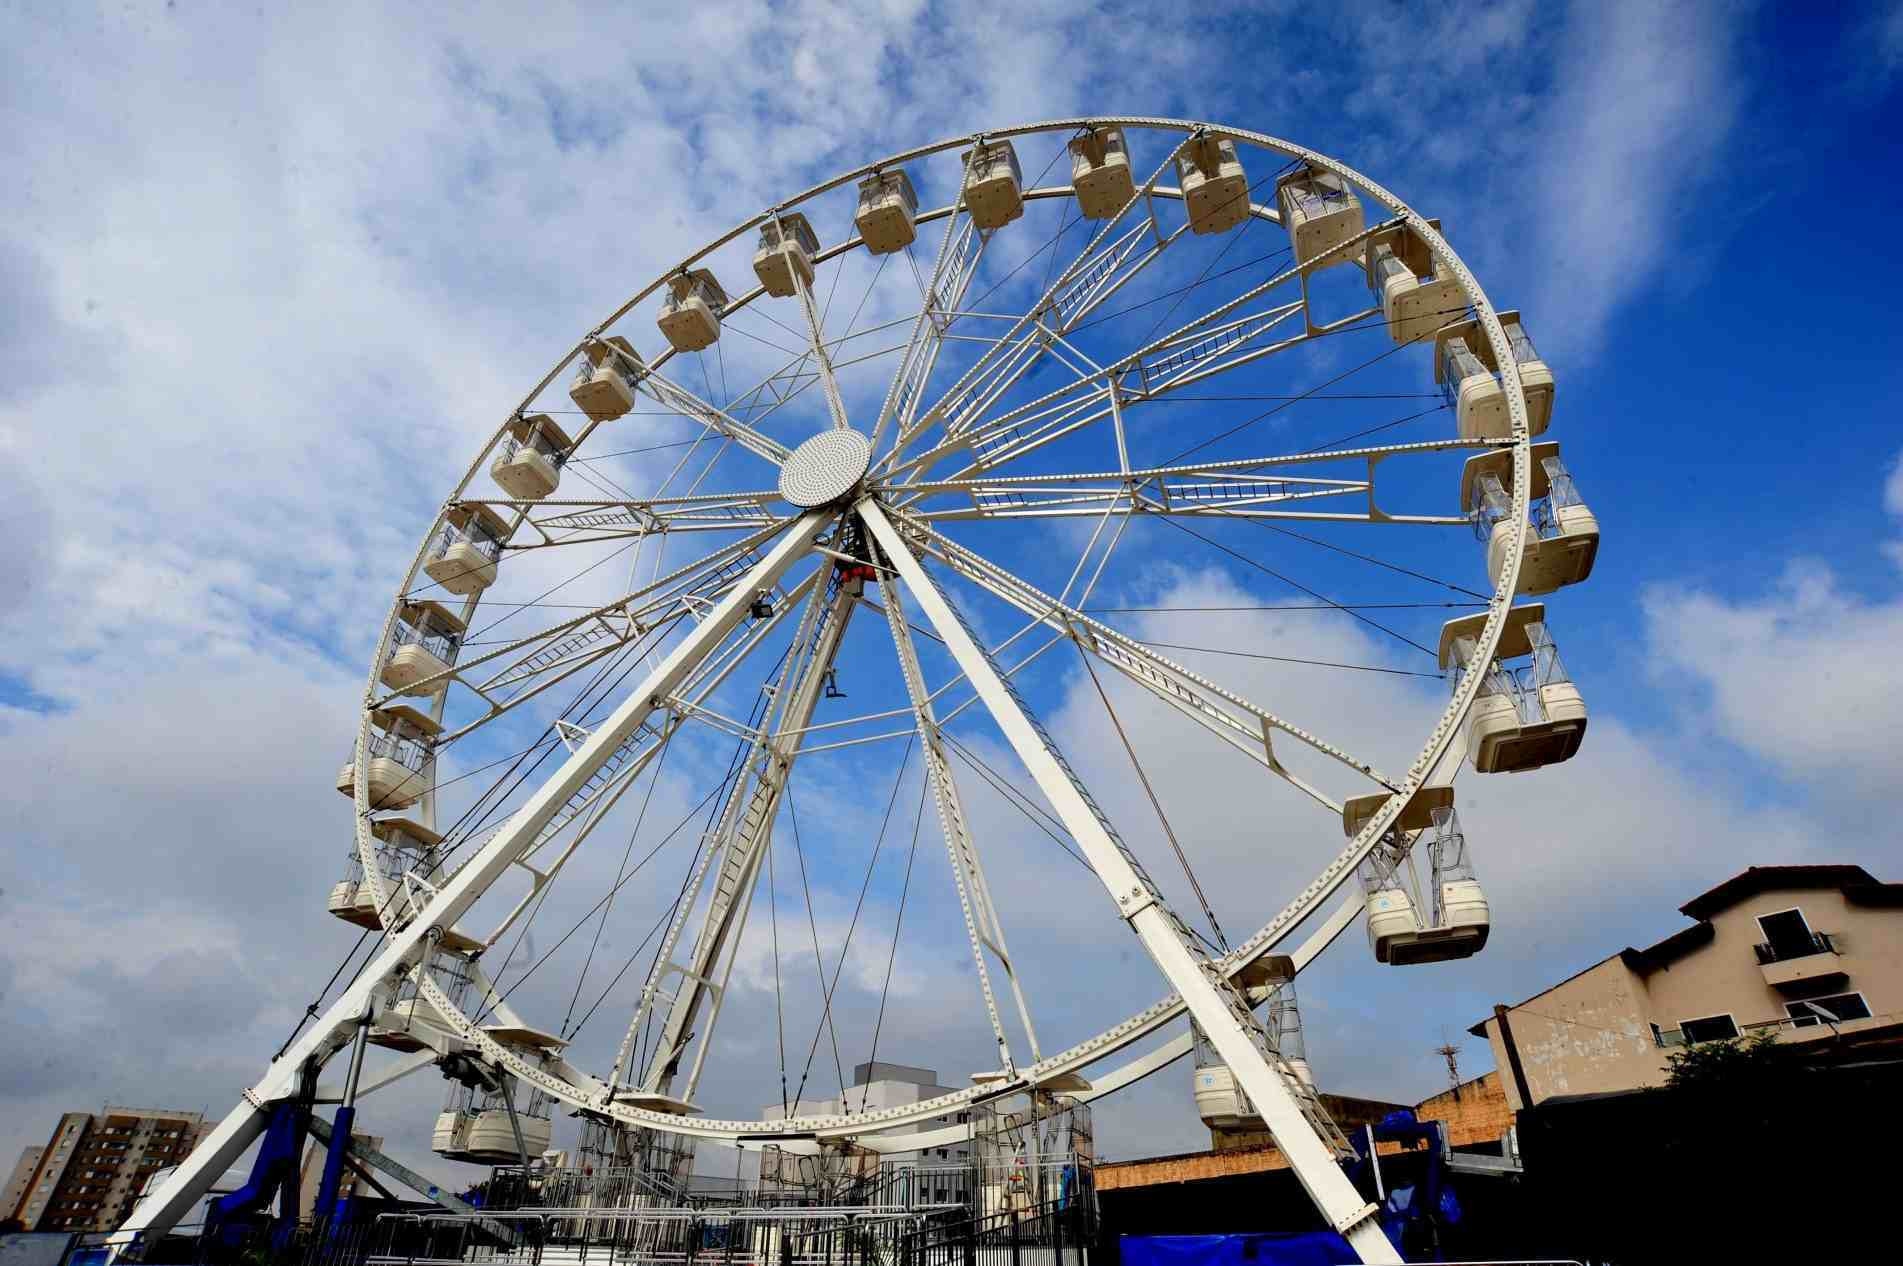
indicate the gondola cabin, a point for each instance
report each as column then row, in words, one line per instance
column 398, row 750
column 887, row 216
column 464, row 557
column 402, row 846
column 1220, row 1102
column 528, row 464
column 1100, row 173
column 351, row 899
column 1320, row 212
column 605, row 381
column 1451, row 918
column 475, row 1125
column 784, row 258
column 423, row 645
column 1465, row 368
column 409, row 1021
column 994, row 184
column 690, row 315
column 1215, row 188
column 1528, row 712
column 1415, row 298
column 1562, row 535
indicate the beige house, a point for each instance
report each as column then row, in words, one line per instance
column 1812, row 954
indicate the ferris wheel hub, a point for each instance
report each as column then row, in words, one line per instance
column 825, row 468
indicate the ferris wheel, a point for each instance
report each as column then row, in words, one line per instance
column 909, row 464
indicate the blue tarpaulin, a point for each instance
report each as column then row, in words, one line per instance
column 1267, row 1248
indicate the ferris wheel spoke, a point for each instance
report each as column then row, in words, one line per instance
column 622, row 767
column 679, row 399
column 1249, row 487
column 1106, row 262
column 1233, row 334
column 1013, row 355
column 960, row 249
column 509, row 675
column 816, row 338
column 734, row 855
column 983, row 927
column 584, row 521
column 1245, row 726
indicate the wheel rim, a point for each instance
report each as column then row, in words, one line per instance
column 1135, row 1028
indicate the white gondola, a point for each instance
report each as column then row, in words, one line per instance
column 1527, row 714
column 528, row 466
column 994, row 184
column 449, row 1138
column 402, row 846
column 409, row 1022
column 1562, row 538
column 1284, row 1024
column 398, row 757
column 422, row 645
column 1415, row 298
column 1536, row 379
column 887, row 217
column 1467, row 372
column 785, row 255
column 1455, row 919
column 1320, row 212
column 1220, row 1102
column 464, row 557
column 605, row 381
column 351, row 900
column 475, row 1125
column 1215, row 188
column 1390, row 908
column 1100, row 172
column 690, row 315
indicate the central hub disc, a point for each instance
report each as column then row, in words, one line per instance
column 825, row 468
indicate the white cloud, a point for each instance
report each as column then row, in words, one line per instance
column 1643, row 104
column 257, row 320
column 1803, row 675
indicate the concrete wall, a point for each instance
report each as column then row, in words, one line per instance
column 1587, row 1035
column 1478, row 1113
column 1593, row 1033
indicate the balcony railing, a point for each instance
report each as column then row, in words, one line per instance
column 1795, row 947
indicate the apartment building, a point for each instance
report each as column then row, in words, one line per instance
column 1810, row 954
column 93, row 1166
column 21, row 1176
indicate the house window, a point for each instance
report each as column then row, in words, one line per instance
column 1842, row 1006
column 1711, row 1028
column 1787, row 935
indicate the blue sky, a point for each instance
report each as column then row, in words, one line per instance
column 269, row 281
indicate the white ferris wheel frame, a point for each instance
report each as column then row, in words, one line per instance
column 1205, row 988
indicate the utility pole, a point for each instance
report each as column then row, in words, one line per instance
column 1451, row 1053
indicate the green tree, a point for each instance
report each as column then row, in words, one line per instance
column 1740, row 1063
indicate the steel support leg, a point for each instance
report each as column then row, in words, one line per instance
column 404, row 948
column 1218, row 1010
